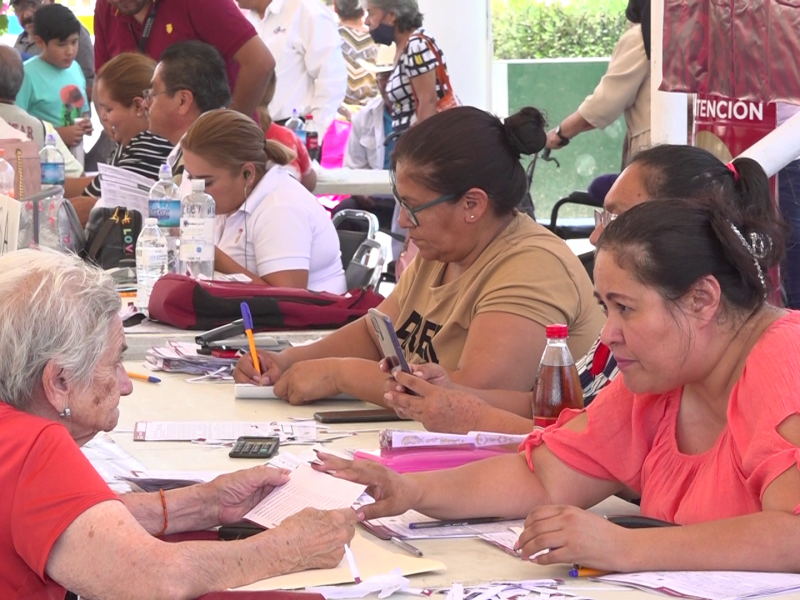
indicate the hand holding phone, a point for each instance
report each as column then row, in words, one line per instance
column 387, row 338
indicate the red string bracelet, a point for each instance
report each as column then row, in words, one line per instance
column 166, row 518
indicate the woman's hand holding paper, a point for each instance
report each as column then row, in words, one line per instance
column 235, row 494
column 394, row 494
column 575, row 536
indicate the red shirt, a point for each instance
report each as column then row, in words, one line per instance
column 46, row 483
column 285, row 136
column 216, row 22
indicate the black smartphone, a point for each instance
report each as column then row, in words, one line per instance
column 390, row 345
column 368, row 415
column 249, row 446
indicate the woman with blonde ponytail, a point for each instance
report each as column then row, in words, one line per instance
column 268, row 227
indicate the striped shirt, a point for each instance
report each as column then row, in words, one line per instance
column 144, row 155
column 417, row 59
column 361, row 85
column 596, row 370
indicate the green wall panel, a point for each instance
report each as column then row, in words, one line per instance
column 557, row 87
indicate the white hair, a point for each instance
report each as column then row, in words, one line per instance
column 53, row 307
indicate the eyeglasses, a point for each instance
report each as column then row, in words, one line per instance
column 603, row 217
column 148, row 95
column 411, row 212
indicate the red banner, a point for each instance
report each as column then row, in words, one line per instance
column 745, row 49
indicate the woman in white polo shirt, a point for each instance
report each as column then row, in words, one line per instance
column 268, row 226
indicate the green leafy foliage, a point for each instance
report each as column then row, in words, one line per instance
column 556, row 29
column 3, row 24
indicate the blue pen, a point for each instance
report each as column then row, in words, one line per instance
column 248, row 330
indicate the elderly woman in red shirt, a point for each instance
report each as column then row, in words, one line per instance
column 61, row 527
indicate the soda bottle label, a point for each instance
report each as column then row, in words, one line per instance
column 543, row 421
column 168, row 212
column 197, row 239
column 151, row 258
column 53, row 173
column 312, row 142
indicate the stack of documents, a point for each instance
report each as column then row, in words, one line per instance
column 182, row 357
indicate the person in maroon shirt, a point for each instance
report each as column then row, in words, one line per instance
column 151, row 26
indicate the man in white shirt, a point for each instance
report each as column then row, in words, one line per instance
column 311, row 72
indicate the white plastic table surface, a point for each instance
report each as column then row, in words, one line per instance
column 358, row 182
column 467, row 560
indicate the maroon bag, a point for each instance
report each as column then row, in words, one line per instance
column 186, row 303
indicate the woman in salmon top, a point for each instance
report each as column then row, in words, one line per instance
column 704, row 422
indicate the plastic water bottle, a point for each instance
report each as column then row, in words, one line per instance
column 53, row 169
column 295, row 123
column 197, row 232
column 165, row 206
column 6, row 175
column 151, row 261
column 312, row 138
column 557, row 383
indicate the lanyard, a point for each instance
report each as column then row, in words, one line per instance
column 148, row 28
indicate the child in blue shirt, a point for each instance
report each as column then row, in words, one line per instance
column 54, row 88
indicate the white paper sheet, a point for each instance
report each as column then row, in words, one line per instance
column 121, row 187
column 710, row 585
column 162, row 431
column 306, row 488
column 248, row 391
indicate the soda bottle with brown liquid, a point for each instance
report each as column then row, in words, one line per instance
column 557, row 384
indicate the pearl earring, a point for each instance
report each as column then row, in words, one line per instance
column 472, row 216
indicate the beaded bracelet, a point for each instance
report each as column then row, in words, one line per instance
column 166, row 518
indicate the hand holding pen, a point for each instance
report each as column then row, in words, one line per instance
column 248, row 330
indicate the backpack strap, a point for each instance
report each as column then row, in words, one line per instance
column 102, row 234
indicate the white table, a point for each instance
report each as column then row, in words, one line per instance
column 357, row 182
column 467, row 560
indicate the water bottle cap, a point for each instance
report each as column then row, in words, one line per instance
column 165, row 171
column 50, row 139
column 198, row 185
column 150, row 222
column 557, row 331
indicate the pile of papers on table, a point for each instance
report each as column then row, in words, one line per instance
column 183, row 357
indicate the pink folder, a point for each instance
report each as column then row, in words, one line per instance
column 412, row 460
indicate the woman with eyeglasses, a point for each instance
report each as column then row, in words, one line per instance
column 667, row 171
column 486, row 282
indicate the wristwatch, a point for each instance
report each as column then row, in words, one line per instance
column 564, row 139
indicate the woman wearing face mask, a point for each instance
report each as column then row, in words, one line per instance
column 413, row 89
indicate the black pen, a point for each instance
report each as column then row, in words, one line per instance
column 455, row 523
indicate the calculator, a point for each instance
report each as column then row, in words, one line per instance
column 255, row 447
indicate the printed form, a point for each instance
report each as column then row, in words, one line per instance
column 306, row 488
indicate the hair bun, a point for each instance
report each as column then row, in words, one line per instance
column 525, row 131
